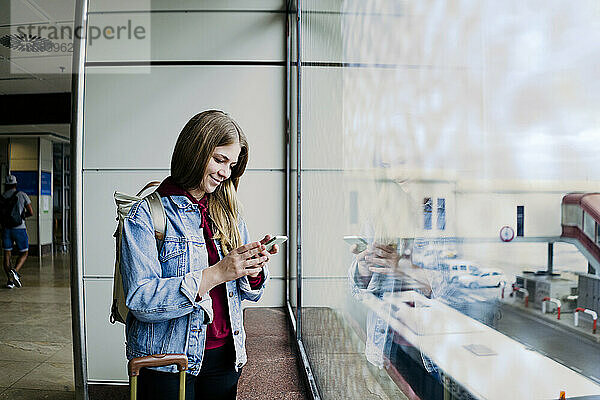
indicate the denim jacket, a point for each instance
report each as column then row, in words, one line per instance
column 160, row 289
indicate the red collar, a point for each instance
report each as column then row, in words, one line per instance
column 168, row 187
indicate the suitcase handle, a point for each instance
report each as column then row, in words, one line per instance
column 157, row 360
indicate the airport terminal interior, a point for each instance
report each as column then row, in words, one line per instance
column 433, row 163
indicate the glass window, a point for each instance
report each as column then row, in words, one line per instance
column 520, row 220
column 406, row 101
column 572, row 215
column 427, row 210
column 589, row 226
column 441, row 214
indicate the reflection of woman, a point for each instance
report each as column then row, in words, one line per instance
column 373, row 272
column 187, row 297
column 378, row 271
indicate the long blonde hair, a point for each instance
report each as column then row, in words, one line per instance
column 193, row 150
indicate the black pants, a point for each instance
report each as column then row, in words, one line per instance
column 217, row 379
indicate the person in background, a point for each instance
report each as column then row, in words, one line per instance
column 187, row 297
column 16, row 206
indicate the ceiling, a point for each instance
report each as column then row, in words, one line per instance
column 56, row 132
column 25, row 68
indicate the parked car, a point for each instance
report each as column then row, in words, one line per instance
column 485, row 277
column 455, row 268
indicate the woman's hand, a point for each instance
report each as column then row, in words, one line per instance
column 274, row 250
column 363, row 266
column 245, row 260
column 383, row 259
column 380, row 258
column 266, row 255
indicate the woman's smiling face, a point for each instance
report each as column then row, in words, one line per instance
column 219, row 166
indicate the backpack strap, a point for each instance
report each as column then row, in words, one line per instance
column 159, row 218
column 148, row 186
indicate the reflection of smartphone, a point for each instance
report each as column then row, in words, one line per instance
column 277, row 240
column 361, row 244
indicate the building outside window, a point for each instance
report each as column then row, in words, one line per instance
column 441, row 214
column 427, row 211
column 520, row 220
column 589, row 226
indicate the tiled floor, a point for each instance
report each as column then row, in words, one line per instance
column 36, row 359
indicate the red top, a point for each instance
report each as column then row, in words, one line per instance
column 219, row 331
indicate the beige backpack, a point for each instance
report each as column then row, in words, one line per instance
column 124, row 202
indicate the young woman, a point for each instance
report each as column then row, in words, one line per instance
column 187, row 298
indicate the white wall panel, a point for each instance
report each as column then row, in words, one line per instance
column 106, row 358
column 262, row 195
column 357, row 38
column 324, row 35
column 184, row 5
column 324, row 292
column 47, row 223
column 324, row 217
column 175, row 36
column 46, row 216
column 361, row 36
column 47, row 155
column 273, row 296
column 136, row 118
column 99, row 214
column 322, row 118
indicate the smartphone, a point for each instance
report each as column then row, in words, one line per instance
column 361, row 243
column 277, row 240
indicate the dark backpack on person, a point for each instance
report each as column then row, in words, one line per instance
column 9, row 211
